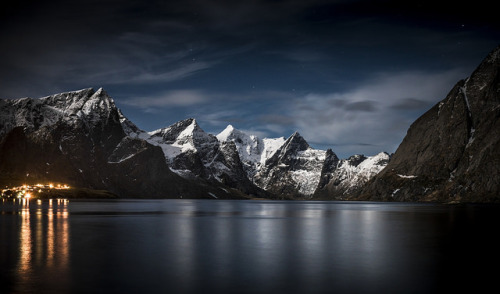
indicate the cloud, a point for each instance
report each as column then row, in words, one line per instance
column 371, row 117
column 219, row 116
column 410, row 104
column 168, row 76
column 366, row 106
column 182, row 98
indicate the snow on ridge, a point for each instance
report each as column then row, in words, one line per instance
column 252, row 150
column 372, row 164
column 185, row 136
column 254, row 153
column 86, row 104
column 352, row 174
column 226, row 134
column 308, row 177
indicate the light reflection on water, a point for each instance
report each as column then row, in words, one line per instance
column 43, row 242
column 200, row 246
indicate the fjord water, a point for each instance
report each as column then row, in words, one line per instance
column 205, row 246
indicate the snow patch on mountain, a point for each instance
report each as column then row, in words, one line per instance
column 353, row 172
column 308, row 176
column 87, row 106
column 292, row 165
column 253, row 151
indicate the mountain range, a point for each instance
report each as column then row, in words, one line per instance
column 80, row 138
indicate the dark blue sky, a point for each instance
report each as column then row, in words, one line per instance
column 348, row 75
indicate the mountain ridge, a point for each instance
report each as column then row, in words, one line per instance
column 266, row 168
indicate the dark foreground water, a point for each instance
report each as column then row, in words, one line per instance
column 204, row 246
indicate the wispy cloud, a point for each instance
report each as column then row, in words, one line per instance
column 365, row 119
column 178, row 73
column 182, row 98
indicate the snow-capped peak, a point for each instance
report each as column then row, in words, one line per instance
column 252, row 150
column 249, row 147
column 356, row 170
column 226, row 134
column 296, row 141
column 273, row 164
column 85, row 105
column 180, row 137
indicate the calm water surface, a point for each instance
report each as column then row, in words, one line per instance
column 207, row 246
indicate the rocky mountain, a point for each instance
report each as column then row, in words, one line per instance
column 82, row 139
column 253, row 151
column 194, row 154
column 349, row 176
column 292, row 169
column 452, row 152
column 77, row 138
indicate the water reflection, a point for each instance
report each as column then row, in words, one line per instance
column 197, row 246
column 43, row 242
column 25, row 242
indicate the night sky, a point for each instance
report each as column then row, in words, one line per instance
column 348, row 75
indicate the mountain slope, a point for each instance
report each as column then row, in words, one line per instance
column 452, row 152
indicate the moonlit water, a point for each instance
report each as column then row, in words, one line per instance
column 204, row 246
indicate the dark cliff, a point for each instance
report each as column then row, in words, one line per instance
column 452, row 152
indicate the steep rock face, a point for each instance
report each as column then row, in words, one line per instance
column 329, row 167
column 452, row 152
column 293, row 171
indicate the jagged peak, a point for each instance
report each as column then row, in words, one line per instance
column 330, row 153
column 85, row 101
column 101, row 94
column 180, row 125
column 296, row 138
column 187, row 122
column 295, row 142
column 231, row 133
column 87, row 92
column 226, row 134
column 356, row 159
column 181, row 130
column 79, row 98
